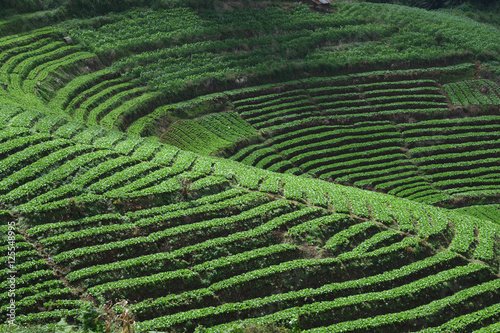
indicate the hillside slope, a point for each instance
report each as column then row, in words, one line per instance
column 98, row 215
column 113, row 222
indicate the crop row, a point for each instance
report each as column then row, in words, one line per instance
column 305, row 160
column 177, row 217
column 25, row 118
column 257, row 155
column 466, row 147
column 476, row 183
column 88, row 109
column 329, row 87
column 409, row 189
column 25, row 267
column 42, row 71
column 11, row 41
column 489, row 329
column 49, row 124
column 453, row 138
column 384, row 103
column 264, row 99
column 282, row 101
column 24, row 68
column 377, row 139
column 106, row 112
column 50, row 315
column 237, row 238
column 471, row 319
column 17, row 50
column 171, row 233
column 476, row 191
column 451, row 123
column 228, row 125
column 440, row 170
column 217, row 268
column 391, row 171
column 490, row 212
column 331, row 290
column 11, row 133
column 425, row 311
column 33, row 188
column 29, row 302
column 475, row 155
column 377, row 240
column 342, row 238
column 8, row 68
column 399, row 209
column 284, row 116
column 158, row 284
column 78, row 85
column 317, row 166
column 118, row 117
column 245, row 151
column 473, row 92
column 206, row 200
column 364, row 167
column 263, row 113
column 150, row 179
column 117, row 178
column 89, row 98
column 15, row 143
column 314, row 225
column 52, row 160
column 51, row 229
column 32, row 153
column 308, row 312
column 328, row 135
column 456, row 129
column 33, row 289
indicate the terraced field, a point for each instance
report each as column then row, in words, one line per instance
column 168, row 166
column 360, row 130
column 194, row 240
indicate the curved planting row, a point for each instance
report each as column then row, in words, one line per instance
column 459, row 156
column 208, row 134
column 30, row 280
column 370, row 154
column 260, row 180
column 350, row 99
column 375, row 153
column 488, row 212
column 31, row 70
column 27, row 63
column 484, row 92
column 342, row 308
column 191, row 240
column 223, row 242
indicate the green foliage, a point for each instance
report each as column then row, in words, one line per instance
column 210, row 70
column 195, row 241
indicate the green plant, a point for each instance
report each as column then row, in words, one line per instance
column 89, row 318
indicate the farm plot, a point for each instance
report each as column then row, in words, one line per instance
column 32, row 67
column 489, row 212
column 196, row 242
column 484, row 92
column 459, row 156
column 370, row 152
column 217, row 251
